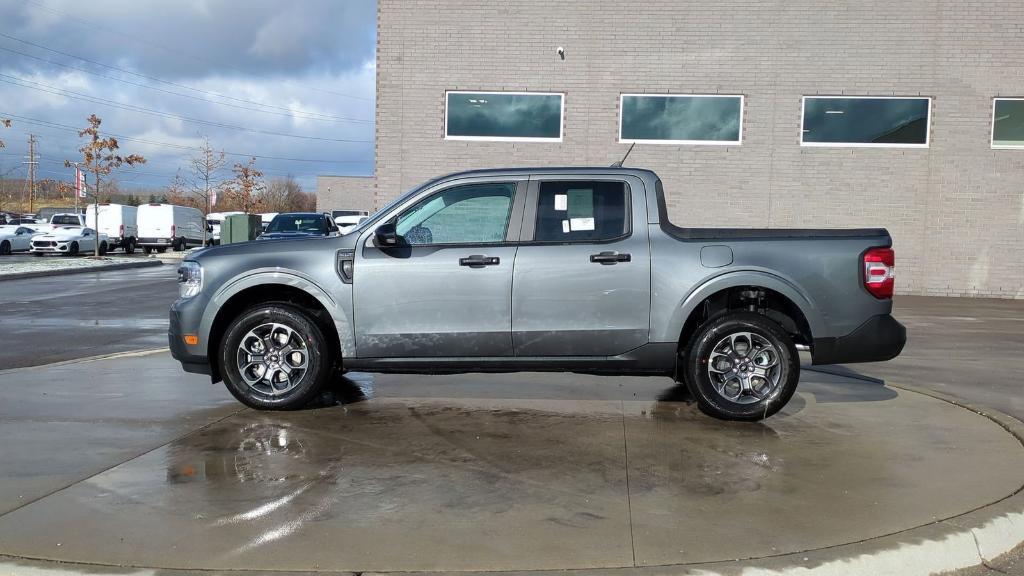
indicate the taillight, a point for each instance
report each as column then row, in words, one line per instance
column 174, row 230
column 121, row 230
column 880, row 272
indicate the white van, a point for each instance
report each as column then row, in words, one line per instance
column 163, row 226
column 118, row 222
column 213, row 222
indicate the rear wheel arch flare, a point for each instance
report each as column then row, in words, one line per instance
column 776, row 306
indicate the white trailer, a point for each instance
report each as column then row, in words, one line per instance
column 163, row 226
column 118, row 221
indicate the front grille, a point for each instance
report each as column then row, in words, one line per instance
column 43, row 244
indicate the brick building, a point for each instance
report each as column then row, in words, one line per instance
column 724, row 101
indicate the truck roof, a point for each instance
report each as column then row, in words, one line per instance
column 641, row 172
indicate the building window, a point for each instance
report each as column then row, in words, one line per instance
column 866, row 121
column 1008, row 123
column 508, row 116
column 680, row 119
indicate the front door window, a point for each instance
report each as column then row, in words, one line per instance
column 471, row 214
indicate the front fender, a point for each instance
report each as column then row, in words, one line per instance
column 284, row 277
column 736, row 278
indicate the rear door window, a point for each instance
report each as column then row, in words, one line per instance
column 582, row 211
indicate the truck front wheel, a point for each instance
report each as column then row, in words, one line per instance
column 274, row 357
column 742, row 366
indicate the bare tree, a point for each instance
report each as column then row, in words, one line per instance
column 6, row 124
column 99, row 156
column 179, row 192
column 246, row 189
column 206, row 181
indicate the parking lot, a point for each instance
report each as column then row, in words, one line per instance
column 485, row 472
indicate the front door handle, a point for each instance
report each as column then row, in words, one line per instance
column 479, row 261
column 608, row 258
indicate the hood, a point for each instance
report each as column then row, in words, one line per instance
column 63, row 234
column 270, row 246
column 296, row 234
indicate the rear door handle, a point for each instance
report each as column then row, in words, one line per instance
column 479, row 261
column 608, row 258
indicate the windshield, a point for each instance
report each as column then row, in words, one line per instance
column 66, row 219
column 309, row 223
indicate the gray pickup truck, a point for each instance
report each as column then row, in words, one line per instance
column 544, row 269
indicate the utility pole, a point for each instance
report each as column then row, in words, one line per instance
column 31, row 172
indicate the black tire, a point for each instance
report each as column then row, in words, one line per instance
column 320, row 360
column 147, row 250
column 746, row 406
column 178, row 244
column 103, row 249
column 5, row 248
column 129, row 246
column 161, row 250
column 73, row 249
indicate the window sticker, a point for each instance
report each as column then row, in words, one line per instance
column 561, row 201
column 581, row 203
column 565, row 227
column 579, row 224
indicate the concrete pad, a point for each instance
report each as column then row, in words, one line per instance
column 822, row 474
column 64, row 423
column 521, row 473
column 382, row 485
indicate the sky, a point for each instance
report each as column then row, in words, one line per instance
column 289, row 82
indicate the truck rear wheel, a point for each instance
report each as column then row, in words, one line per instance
column 742, row 366
column 274, row 357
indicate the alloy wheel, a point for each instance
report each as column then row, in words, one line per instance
column 272, row 358
column 744, row 368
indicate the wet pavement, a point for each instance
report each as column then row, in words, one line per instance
column 56, row 318
column 469, row 472
column 969, row 348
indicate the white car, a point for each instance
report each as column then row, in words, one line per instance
column 15, row 239
column 69, row 240
column 347, row 223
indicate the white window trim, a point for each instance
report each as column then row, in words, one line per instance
column 738, row 142
column 561, row 117
column 803, row 110
column 992, row 134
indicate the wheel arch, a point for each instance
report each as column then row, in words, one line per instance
column 768, row 294
column 262, row 288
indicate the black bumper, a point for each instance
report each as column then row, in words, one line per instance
column 880, row 338
column 190, row 362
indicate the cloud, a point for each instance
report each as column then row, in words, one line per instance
column 232, row 72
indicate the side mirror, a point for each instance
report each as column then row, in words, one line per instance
column 386, row 235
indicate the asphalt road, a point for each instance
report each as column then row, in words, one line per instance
column 56, row 318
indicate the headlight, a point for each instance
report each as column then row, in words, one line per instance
column 190, row 279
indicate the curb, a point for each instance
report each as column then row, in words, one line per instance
column 67, row 271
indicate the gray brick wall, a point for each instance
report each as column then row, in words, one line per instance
column 344, row 192
column 956, row 209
